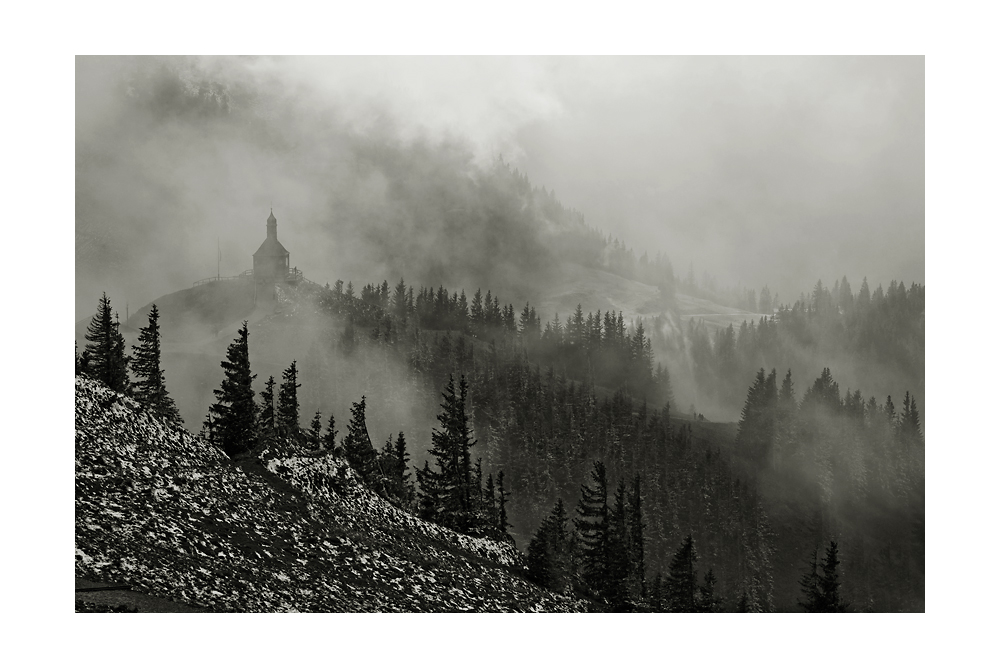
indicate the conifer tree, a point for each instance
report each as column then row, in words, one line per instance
column 809, row 584
column 708, row 601
column 784, row 423
column 910, row 421
column 330, row 437
column 393, row 465
column 665, row 386
column 387, row 464
column 820, row 586
column 451, row 443
column 358, row 448
column 491, row 501
column 82, row 362
column 232, row 419
column 106, row 359
column 592, row 526
column 401, row 460
column 150, row 389
column 539, row 558
column 615, row 587
column 288, row 404
column 830, row 584
column 120, row 362
column 502, row 496
column 430, row 498
column 755, row 437
column 682, row 580
column 656, row 594
column 316, row 430
column 266, row 420
column 549, row 552
column 399, row 305
column 636, row 542
column 477, row 314
column 560, row 547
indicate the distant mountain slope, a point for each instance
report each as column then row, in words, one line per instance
column 597, row 289
column 171, row 516
column 715, row 316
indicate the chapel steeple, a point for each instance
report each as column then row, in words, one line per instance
column 272, row 226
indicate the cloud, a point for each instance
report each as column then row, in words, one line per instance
column 759, row 170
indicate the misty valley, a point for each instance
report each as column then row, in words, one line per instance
column 462, row 396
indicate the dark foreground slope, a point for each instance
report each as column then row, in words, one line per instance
column 171, row 516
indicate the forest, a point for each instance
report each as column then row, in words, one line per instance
column 875, row 336
column 565, row 436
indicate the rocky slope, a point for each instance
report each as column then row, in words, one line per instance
column 171, row 516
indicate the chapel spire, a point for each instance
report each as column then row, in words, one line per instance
column 272, row 226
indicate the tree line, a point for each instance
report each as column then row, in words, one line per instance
column 856, row 466
column 881, row 333
column 600, row 348
column 137, row 375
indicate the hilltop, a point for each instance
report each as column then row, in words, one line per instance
column 171, row 516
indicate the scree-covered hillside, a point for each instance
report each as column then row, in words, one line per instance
column 171, row 516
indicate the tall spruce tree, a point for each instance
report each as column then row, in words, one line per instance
column 682, row 580
column 266, row 418
column 784, row 423
column 150, row 389
column 431, row 497
column 549, row 552
column 451, row 443
column 358, row 448
column 909, row 424
column 809, row 584
column 592, row 526
column 288, row 404
column 316, row 430
column 330, row 437
column 755, row 437
column 708, row 601
column 490, row 501
column 636, row 542
column 502, row 496
column 830, row 584
column 618, row 564
column 232, row 419
column 401, row 474
column 820, row 585
column 105, row 350
column 539, row 558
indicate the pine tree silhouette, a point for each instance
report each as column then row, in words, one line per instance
column 232, row 419
column 106, row 358
column 287, row 413
column 150, row 389
column 592, row 525
column 820, row 585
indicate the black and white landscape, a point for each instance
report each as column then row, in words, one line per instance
column 500, row 334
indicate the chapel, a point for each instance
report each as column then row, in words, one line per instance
column 270, row 262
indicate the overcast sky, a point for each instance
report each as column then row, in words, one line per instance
column 761, row 170
column 772, row 171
